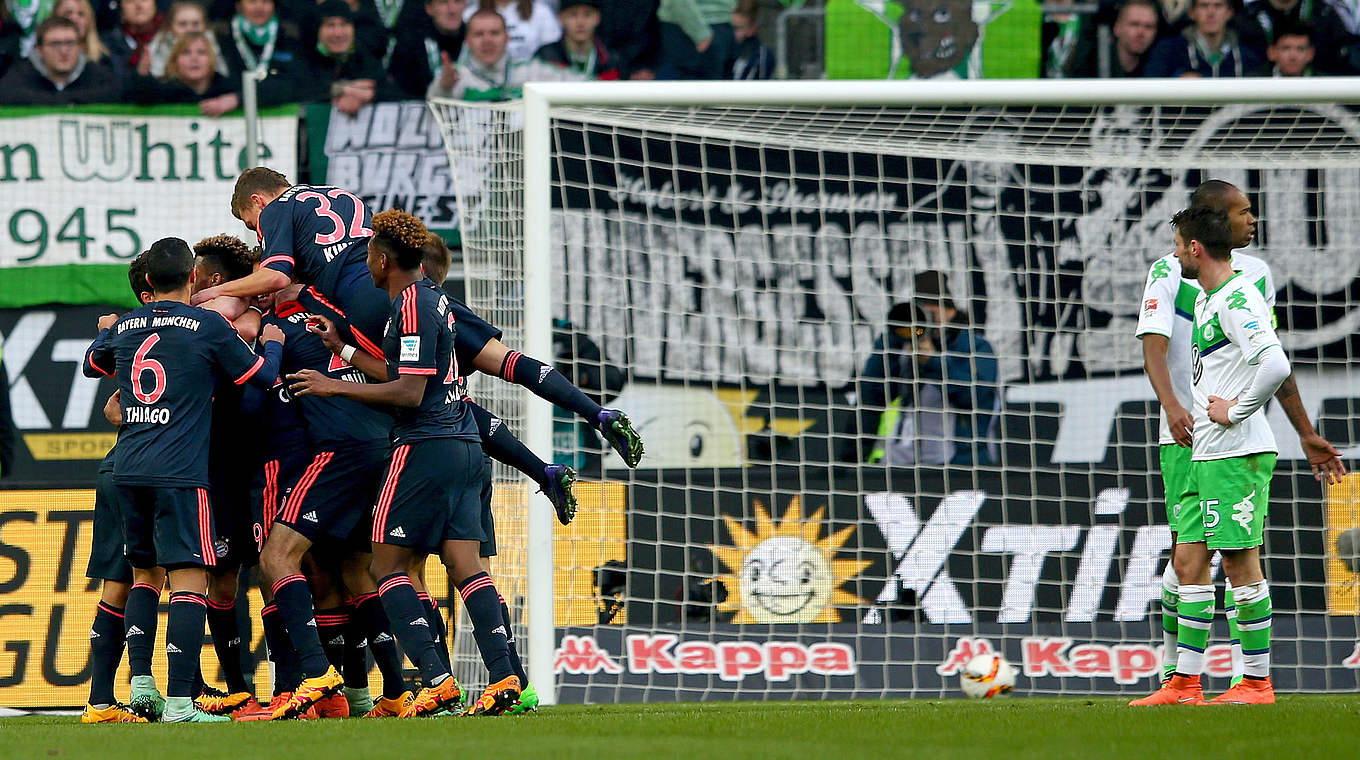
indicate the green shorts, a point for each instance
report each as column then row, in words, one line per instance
column 1225, row 502
column 1175, row 471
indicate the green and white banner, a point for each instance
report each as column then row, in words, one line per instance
column 83, row 191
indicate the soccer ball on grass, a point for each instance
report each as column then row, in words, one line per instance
column 987, row 676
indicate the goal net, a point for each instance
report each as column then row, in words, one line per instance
column 827, row 508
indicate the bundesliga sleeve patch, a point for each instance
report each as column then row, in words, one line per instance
column 410, row 349
column 1150, row 306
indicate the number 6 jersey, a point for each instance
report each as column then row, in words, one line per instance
column 167, row 358
column 1232, row 328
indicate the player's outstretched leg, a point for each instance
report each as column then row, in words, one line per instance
column 1253, row 616
column 1196, row 616
column 618, row 430
column 500, row 443
column 142, row 616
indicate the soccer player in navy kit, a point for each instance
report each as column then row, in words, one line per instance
column 316, row 236
column 331, row 499
column 167, row 357
column 107, row 563
column 429, row 500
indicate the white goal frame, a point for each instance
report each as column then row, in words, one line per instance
column 540, row 100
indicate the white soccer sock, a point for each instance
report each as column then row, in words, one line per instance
column 1234, row 645
column 1171, row 588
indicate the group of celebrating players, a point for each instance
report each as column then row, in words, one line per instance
column 1210, row 349
column 305, row 407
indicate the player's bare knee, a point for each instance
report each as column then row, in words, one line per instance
column 222, row 587
column 115, row 593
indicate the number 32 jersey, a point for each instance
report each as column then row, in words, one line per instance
column 167, row 358
column 1232, row 328
column 309, row 226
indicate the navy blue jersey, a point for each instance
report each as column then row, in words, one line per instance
column 310, row 227
column 332, row 422
column 472, row 335
column 419, row 341
column 167, row 358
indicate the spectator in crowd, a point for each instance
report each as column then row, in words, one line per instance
column 130, row 41
column 932, row 382
column 369, row 31
column 1175, row 16
column 191, row 76
column 340, row 69
column 416, row 56
column 696, row 38
column 630, row 29
column 1209, row 47
column 81, row 13
column 751, row 59
column 26, row 15
column 579, row 50
column 1263, row 21
column 57, row 73
column 1131, row 38
column 256, row 39
column 530, row 25
column 1291, row 54
column 485, row 71
column 184, row 17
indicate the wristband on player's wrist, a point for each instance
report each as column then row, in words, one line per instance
column 347, row 353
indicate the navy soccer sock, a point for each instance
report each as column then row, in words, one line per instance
column 142, row 615
column 184, row 640
column 548, row 383
column 226, row 635
column 330, row 628
column 355, row 667
column 515, row 663
column 287, row 672
column 438, row 630
column 294, row 600
column 502, row 445
column 488, row 624
column 381, row 643
column 411, row 627
column 107, row 634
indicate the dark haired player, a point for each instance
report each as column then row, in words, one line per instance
column 430, row 498
column 107, row 563
column 316, row 236
column 167, row 357
column 330, row 502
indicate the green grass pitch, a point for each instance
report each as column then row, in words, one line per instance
column 1299, row 726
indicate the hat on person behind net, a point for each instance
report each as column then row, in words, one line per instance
column 565, row 4
column 932, row 286
column 334, row 9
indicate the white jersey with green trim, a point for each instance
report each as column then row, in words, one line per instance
column 1168, row 309
column 1232, row 328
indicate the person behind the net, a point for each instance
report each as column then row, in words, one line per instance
column 1164, row 329
column 108, row 565
column 429, row 500
column 329, row 504
column 167, row 357
column 313, row 235
column 556, row 481
column 1225, row 498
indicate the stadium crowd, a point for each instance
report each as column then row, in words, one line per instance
column 351, row 52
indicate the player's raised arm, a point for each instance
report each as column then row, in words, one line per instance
column 242, row 365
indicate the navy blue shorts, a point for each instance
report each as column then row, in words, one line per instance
column 107, row 560
column 169, row 527
column 270, row 489
column 229, row 488
column 345, row 293
column 335, row 493
column 488, row 520
column 431, row 494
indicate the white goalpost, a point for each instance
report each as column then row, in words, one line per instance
column 811, row 524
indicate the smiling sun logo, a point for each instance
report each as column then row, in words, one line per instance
column 784, row 573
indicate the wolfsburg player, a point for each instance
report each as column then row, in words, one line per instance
column 1225, row 499
column 1164, row 327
